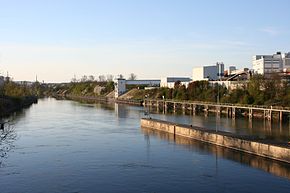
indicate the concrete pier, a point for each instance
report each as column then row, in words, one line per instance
column 246, row 144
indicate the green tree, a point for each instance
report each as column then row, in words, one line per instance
column 255, row 89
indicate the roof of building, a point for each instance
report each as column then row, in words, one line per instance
column 174, row 79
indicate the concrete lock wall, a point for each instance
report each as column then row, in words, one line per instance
column 224, row 139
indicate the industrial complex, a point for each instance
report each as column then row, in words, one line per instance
column 230, row 77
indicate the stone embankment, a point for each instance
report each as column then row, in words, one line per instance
column 248, row 144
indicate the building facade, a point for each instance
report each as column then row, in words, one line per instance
column 214, row 72
column 170, row 81
column 286, row 60
column 231, row 70
column 267, row 64
column 120, row 85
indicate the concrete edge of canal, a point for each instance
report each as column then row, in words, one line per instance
column 246, row 144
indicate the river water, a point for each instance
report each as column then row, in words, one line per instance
column 66, row 146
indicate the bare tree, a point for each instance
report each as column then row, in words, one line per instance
column 84, row 78
column 74, row 79
column 110, row 77
column 91, row 78
column 132, row 76
column 102, row 78
column 121, row 76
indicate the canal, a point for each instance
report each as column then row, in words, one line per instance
column 65, row 146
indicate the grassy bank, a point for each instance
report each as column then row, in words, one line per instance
column 85, row 89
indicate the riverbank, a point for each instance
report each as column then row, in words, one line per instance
column 9, row 105
column 192, row 107
column 103, row 99
column 248, row 144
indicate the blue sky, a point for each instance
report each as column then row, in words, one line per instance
column 153, row 38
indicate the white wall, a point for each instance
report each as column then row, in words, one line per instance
column 163, row 82
column 171, row 84
column 205, row 73
column 263, row 64
column 120, row 87
column 198, row 74
column 258, row 65
column 170, row 81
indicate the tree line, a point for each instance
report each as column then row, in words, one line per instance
column 20, row 89
column 273, row 90
column 102, row 78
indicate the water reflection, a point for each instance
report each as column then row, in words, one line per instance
column 8, row 135
column 259, row 127
column 271, row 166
column 67, row 146
column 120, row 111
column 7, row 138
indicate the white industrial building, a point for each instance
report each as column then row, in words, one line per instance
column 214, row 72
column 120, row 85
column 170, row 81
column 286, row 60
column 231, row 70
column 267, row 64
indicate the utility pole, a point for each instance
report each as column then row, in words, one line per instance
column 217, row 116
column 218, row 95
column 218, row 101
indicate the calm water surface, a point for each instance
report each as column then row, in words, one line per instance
column 65, row 146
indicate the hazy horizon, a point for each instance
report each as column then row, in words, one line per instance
column 56, row 40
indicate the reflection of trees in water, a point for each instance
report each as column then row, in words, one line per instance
column 7, row 138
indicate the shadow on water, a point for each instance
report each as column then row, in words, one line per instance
column 90, row 102
column 271, row 166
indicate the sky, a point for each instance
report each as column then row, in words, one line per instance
column 58, row 39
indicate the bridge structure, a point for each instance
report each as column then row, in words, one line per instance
column 231, row 110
